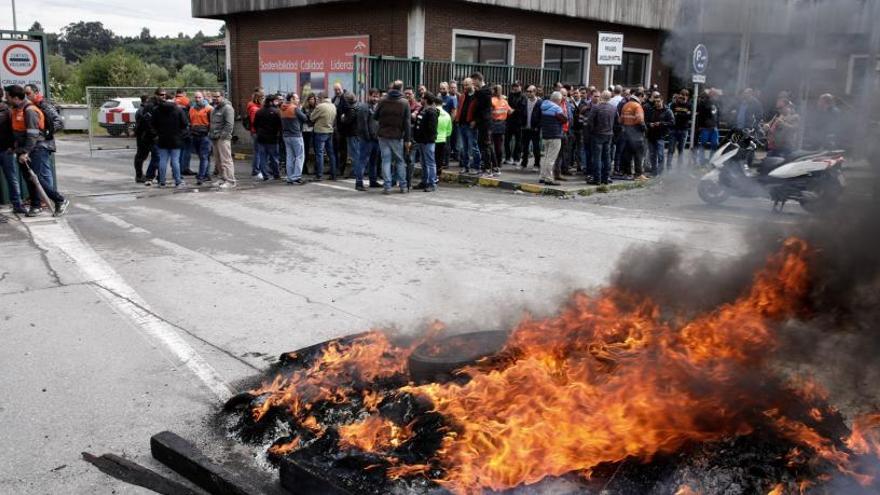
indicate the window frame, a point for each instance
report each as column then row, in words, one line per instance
column 509, row 38
column 588, row 55
column 851, row 67
column 648, row 66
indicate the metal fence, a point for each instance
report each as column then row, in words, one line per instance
column 111, row 114
column 378, row 72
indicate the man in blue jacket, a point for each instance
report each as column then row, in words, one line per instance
column 552, row 120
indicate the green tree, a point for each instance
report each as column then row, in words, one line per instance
column 191, row 76
column 78, row 39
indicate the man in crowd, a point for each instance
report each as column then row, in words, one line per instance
column 31, row 150
column 454, row 139
column 366, row 139
column 512, row 134
column 169, row 124
column 469, row 151
column 659, row 120
column 53, row 118
column 482, row 121
column 342, row 130
column 449, row 105
column 183, row 101
column 678, row 135
column 267, row 123
column 7, row 157
column 824, row 130
column 425, row 136
column 749, row 111
column 600, row 125
column 563, row 159
column 323, row 117
column 254, row 106
column 528, row 115
column 292, row 120
column 145, row 140
column 200, row 123
column 220, row 132
column 395, row 135
column 632, row 122
column 552, row 120
column 708, row 115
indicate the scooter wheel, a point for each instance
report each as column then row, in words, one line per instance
column 711, row 192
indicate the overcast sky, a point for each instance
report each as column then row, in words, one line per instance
column 127, row 18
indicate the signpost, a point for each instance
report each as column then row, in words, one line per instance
column 700, row 63
column 609, row 52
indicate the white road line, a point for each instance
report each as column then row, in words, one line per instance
column 333, row 186
column 59, row 236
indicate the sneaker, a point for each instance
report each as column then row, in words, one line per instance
column 374, row 185
column 34, row 212
column 218, row 183
column 139, row 180
column 403, row 190
column 61, row 209
column 148, row 183
column 642, row 177
column 198, row 183
column 430, row 189
column 161, row 184
column 258, row 177
column 360, row 188
column 227, row 185
column 180, row 185
column 386, row 191
column 20, row 210
column 551, row 183
column 187, row 172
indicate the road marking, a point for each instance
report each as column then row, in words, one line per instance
column 332, row 186
column 60, row 237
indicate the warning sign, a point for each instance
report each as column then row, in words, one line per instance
column 21, row 63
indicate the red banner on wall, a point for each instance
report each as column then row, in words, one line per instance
column 309, row 65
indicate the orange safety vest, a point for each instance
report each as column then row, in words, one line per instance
column 500, row 108
column 632, row 114
column 200, row 117
column 19, row 119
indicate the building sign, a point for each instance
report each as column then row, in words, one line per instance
column 21, row 63
column 310, row 65
column 610, row 50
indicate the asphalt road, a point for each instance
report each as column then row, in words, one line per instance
column 141, row 309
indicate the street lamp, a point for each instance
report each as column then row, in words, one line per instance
column 14, row 21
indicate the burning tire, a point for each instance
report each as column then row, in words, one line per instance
column 438, row 360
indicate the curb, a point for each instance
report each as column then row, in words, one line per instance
column 586, row 190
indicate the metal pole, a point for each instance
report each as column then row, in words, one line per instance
column 14, row 20
column 694, row 115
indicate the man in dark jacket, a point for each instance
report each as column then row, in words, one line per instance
column 469, row 150
column 512, row 132
column 145, row 140
column 267, row 123
column 659, row 120
column 528, row 117
column 292, row 120
column 395, row 135
column 169, row 125
column 600, row 125
column 681, row 111
column 708, row 116
column 366, row 138
column 7, row 157
column 482, row 121
column 425, row 135
column 343, row 127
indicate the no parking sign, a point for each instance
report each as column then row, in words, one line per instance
column 21, row 63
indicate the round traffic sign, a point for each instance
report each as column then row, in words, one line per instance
column 19, row 59
column 701, row 58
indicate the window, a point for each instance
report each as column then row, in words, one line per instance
column 634, row 69
column 859, row 71
column 570, row 60
column 478, row 50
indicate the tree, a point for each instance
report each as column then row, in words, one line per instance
column 36, row 27
column 145, row 35
column 81, row 38
column 190, row 76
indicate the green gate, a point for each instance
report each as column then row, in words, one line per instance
column 377, row 72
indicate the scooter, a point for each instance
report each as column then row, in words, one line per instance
column 812, row 178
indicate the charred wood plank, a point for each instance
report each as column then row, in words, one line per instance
column 300, row 479
column 135, row 474
column 188, row 461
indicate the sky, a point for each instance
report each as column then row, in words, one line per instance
column 126, row 18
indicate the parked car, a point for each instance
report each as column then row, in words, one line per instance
column 117, row 115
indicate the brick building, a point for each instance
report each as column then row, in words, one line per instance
column 548, row 33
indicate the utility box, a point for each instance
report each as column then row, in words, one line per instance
column 75, row 117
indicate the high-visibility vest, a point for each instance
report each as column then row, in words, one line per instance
column 19, row 118
column 500, row 108
column 200, row 117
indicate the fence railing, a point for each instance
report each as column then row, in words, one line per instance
column 377, row 72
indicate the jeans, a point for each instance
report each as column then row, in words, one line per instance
column 309, row 145
column 41, row 167
column 677, row 138
column 469, row 146
column 365, row 162
column 487, row 154
column 454, row 140
column 324, row 142
column 392, row 151
column 633, row 151
column 586, row 155
column 165, row 155
column 601, row 154
column 707, row 136
column 429, row 164
column 269, row 160
column 153, row 167
column 256, row 165
column 354, row 151
column 532, row 136
column 10, row 172
column 143, row 151
column 295, row 148
column 202, row 146
column 512, row 151
column 441, row 155
column 656, row 155
column 186, row 154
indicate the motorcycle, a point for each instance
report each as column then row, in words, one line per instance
column 812, row 178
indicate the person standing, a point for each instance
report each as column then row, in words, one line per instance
column 782, row 132
column 29, row 128
column 253, row 107
column 552, row 120
column 365, row 130
column 451, row 105
column 482, row 122
column 54, row 123
column 220, row 133
column 308, row 128
column 529, row 116
column 145, row 140
column 512, row 135
column 200, row 123
column 183, row 101
column 659, row 120
column 395, row 134
column 600, row 125
column 346, row 125
column 267, row 123
column 7, row 157
column 444, row 134
column 708, row 114
column 500, row 113
column 323, row 118
column 341, row 130
column 292, row 121
column 681, row 112
column 632, row 121
column 425, row 137
column 469, row 151
column 169, row 125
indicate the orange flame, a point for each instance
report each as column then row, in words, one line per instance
column 374, row 434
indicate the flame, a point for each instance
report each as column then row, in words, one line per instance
column 285, row 448
column 686, row 490
column 374, row 434
column 779, row 489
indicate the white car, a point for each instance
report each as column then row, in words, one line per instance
column 117, row 115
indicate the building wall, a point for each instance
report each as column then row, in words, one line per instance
column 530, row 30
column 386, row 26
